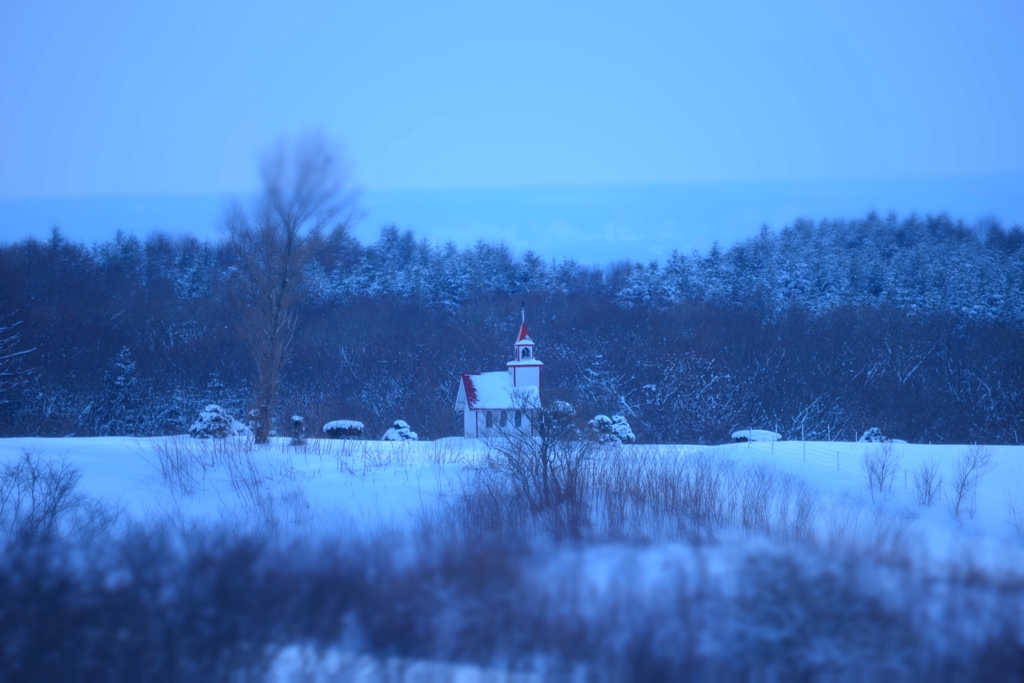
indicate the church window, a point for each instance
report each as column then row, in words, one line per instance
column 490, row 419
column 526, row 352
column 519, row 418
column 504, row 418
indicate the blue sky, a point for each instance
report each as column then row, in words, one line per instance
column 450, row 105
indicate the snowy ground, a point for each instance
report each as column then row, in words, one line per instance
column 835, row 470
column 388, row 484
column 382, row 483
column 375, row 487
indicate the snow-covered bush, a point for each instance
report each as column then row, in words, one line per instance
column 560, row 417
column 344, row 429
column 745, row 435
column 873, row 435
column 400, row 431
column 298, row 425
column 614, row 429
column 215, row 422
column 170, row 421
column 563, row 409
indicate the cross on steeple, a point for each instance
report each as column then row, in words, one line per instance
column 524, row 347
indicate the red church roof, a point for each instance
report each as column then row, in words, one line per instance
column 523, row 334
column 467, row 382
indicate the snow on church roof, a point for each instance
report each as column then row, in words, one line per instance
column 494, row 391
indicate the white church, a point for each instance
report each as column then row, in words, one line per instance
column 495, row 401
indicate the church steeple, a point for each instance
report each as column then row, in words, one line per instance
column 524, row 367
column 524, row 346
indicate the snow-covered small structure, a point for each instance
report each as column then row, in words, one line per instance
column 756, row 435
column 400, row 431
column 873, row 435
column 491, row 402
column 215, row 422
column 344, row 429
column 614, row 429
column 298, row 425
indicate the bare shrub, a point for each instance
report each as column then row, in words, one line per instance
column 757, row 487
column 375, row 455
column 548, row 462
column 183, row 462
column 881, row 464
column 39, row 502
column 646, row 493
column 968, row 470
column 255, row 474
column 888, row 533
column 250, row 483
column 219, row 603
column 927, row 482
column 704, row 495
column 851, row 525
column 638, row 494
column 342, row 451
column 446, row 452
column 545, row 470
column 1015, row 511
column 320, row 447
column 255, row 480
column 800, row 523
column 181, row 465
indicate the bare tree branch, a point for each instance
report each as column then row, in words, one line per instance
column 304, row 194
column 12, row 371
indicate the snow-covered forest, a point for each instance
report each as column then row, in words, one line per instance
column 821, row 330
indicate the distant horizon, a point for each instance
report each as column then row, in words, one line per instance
column 592, row 224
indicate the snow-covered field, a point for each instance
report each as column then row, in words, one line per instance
column 369, row 483
column 391, row 483
column 366, row 490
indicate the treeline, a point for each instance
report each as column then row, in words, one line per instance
column 822, row 330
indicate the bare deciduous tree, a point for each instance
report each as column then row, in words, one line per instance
column 968, row 470
column 927, row 482
column 304, row 193
column 881, row 465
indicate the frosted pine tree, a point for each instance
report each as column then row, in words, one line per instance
column 194, row 271
column 121, row 413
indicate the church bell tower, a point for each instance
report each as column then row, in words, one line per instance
column 524, row 369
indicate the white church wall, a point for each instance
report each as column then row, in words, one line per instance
column 475, row 422
column 526, row 375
